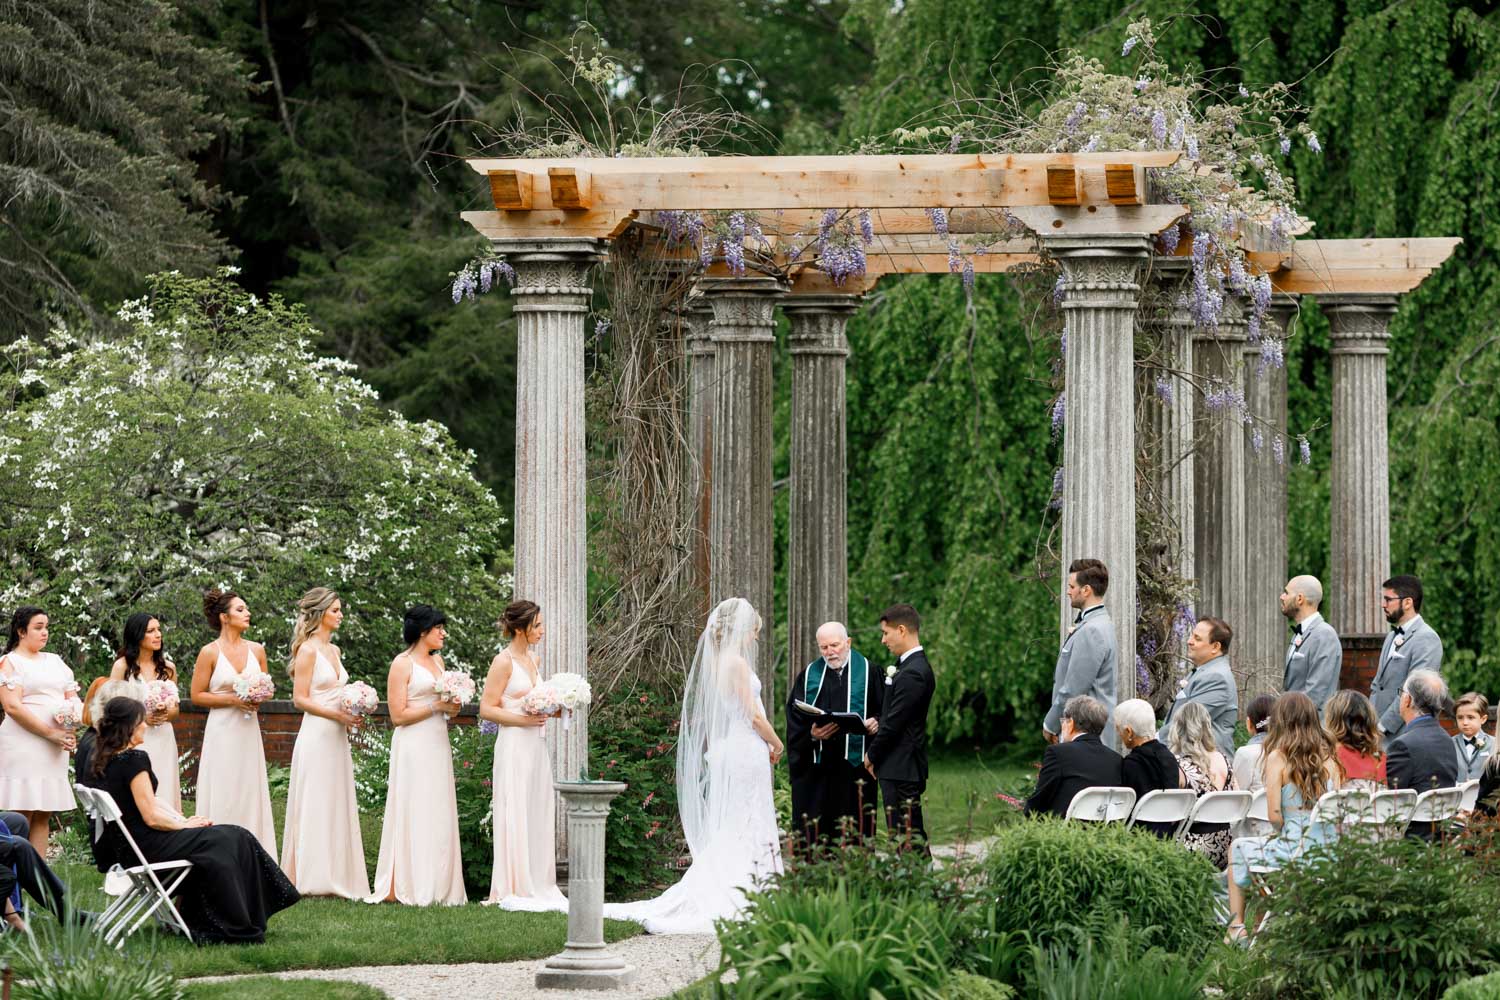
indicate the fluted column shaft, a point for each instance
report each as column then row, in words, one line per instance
column 1177, row 451
column 552, row 295
column 701, row 377
column 741, row 551
column 1098, row 512
column 817, row 567
column 1266, row 531
column 1359, row 544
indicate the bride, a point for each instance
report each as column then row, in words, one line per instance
column 723, row 783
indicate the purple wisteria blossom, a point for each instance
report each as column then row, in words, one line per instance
column 866, row 227
column 1313, row 143
column 1304, row 449
column 488, row 728
column 1091, row 145
column 954, row 141
column 1257, row 441
column 1271, row 355
column 1059, row 414
column 939, row 221
column 1059, row 290
column 842, row 261
column 1159, row 126
column 1169, row 238
column 1130, row 43
column 968, row 274
column 1286, row 145
column 1057, row 490
column 463, row 285
column 1278, row 449
column 1164, row 390
column 955, row 259
column 601, row 326
column 1141, row 84
column 1075, row 117
column 1184, row 621
column 1178, row 131
column 1192, row 147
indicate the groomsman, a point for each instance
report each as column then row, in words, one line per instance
column 1315, row 656
column 1410, row 645
column 830, row 786
column 897, row 753
column 1211, row 683
column 1086, row 663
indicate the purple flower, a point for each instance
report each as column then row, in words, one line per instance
column 1062, row 344
column 1304, row 449
column 1183, row 623
column 1091, row 145
column 1243, row 91
column 1260, row 292
column 1278, row 449
column 1142, row 678
column 968, row 274
column 1057, row 490
column 1059, row 413
column 953, row 142
column 825, row 227
column 1159, row 126
column 1286, row 145
column 1192, row 147
column 488, row 728
column 1271, row 355
column 1313, row 143
column 1178, row 131
column 955, row 259
column 866, row 227
column 939, row 221
column 1129, row 44
column 463, row 285
column 1142, row 83
column 1257, row 440
column 734, row 255
column 1059, row 290
column 1075, row 118
column 1170, row 237
column 601, row 326
column 1164, row 389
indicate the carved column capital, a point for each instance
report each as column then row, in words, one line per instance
column 1359, row 323
column 552, row 274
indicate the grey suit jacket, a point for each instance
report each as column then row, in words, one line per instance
column 1212, row 686
column 1421, row 650
column 1470, row 768
column 1313, row 666
column 1085, row 665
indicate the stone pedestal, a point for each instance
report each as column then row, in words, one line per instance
column 1359, row 544
column 817, row 568
column 552, row 296
column 1219, row 476
column 585, row 963
column 741, row 553
column 699, row 319
column 1266, row 570
column 1098, row 512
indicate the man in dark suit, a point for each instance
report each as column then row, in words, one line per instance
column 21, row 865
column 897, row 753
column 1422, row 757
column 1078, row 760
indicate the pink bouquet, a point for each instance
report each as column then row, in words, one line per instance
column 541, row 700
column 159, row 696
column 70, row 715
column 359, row 698
column 455, row 686
column 254, row 688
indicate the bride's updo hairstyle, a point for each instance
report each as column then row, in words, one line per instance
column 519, row 616
column 732, row 615
column 216, row 603
column 117, row 724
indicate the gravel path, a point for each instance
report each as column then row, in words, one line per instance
column 666, row 964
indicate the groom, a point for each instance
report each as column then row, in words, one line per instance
column 897, row 754
column 830, row 787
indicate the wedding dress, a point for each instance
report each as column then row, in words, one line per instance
column 724, row 790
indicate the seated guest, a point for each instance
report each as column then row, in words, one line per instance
column 1488, row 803
column 1350, row 719
column 1078, row 760
column 1474, row 748
column 1301, row 765
column 1149, row 765
column 21, row 866
column 1249, row 772
column 1192, row 743
column 234, row 887
column 1422, row 757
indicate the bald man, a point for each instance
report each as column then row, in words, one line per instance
column 830, row 788
column 1315, row 656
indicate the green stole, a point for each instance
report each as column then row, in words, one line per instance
column 859, row 675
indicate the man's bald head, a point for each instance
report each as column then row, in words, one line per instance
column 833, row 643
column 1301, row 597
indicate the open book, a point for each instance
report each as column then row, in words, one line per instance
column 849, row 723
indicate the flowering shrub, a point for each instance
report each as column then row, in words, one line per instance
column 633, row 738
column 210, row 444
column 473, row 768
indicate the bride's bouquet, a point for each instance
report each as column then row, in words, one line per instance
column 573, row 693
column 358, row 698
column 455, row 686
column 159, row 696
column 70, row 715
column 254, row 688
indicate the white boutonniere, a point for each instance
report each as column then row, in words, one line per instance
column 890, row 673
column 1297, row 642
column 1399, row 640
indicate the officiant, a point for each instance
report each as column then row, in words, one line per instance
column 830, row 787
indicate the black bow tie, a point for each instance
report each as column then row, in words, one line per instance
column 1078, row 618
column 1296, row 628
column 1397, row 630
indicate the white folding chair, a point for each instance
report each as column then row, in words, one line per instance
column 1257, row 819
column 1393, row 808
column 1165, row 805
column 1227, row 807
column 141, row 893
column 1437, row 805
column 1341, row 808
column 1470, row 799
column 1106, row 804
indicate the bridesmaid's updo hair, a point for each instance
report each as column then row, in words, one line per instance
column 310, row 610
column 420, row 619
column 115, row 726
column 19, row 623
column 519, row 616
column 215, row 603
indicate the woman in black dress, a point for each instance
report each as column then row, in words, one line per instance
column 234, row 886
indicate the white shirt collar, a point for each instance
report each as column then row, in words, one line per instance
column 908, row 653
column 1311, row 622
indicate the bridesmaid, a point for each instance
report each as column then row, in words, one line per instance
column 420, row 860
column 232, row 784
column 322, row 851
column 142, row 661
column 525, row 876
column 33, row 747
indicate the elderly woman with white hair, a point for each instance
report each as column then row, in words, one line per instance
column 1148, row 766
column 1205, row 770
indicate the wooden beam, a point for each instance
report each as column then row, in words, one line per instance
column 1125, row 183
column 1095, row 220
column 571, row 189
column 553, row 222
column 1064, row 187
column 811, row 282
column 739, row 165
column 1322, row 267
column 511, row 189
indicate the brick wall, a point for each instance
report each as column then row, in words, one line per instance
column 1362, row 660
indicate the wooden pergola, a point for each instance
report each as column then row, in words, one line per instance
column 1095, row 217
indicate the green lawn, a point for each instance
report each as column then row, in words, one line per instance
column 961, row 804
column 271, row 988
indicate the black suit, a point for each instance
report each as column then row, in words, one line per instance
column 898, row 752
column 1421, row 758
column 1069, row 768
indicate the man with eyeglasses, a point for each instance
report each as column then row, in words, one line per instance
column 1411, row 645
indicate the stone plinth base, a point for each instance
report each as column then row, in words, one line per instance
column 580, row 969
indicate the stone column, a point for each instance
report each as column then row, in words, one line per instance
column 1265, row 470
column 1177, row 419
column 1098, row 512
column 1359, row 544
column 699, row 319
column 1219, row 539
column 741, row 554
column 585, row 963
column 817, row 567
column 552, row 296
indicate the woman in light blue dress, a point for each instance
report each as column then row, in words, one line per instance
column 1301, row 763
